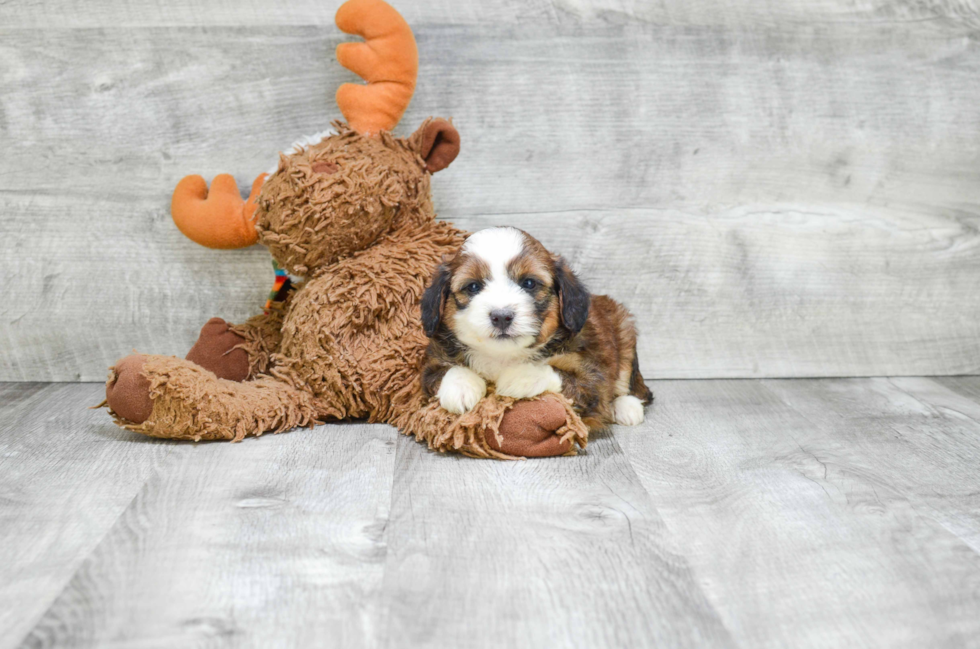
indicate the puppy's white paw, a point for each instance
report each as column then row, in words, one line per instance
column 628, row 410
column 523, row 381
column 461, row 389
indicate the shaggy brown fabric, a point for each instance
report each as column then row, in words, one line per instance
column 192, row 403
column 262, row 335
column 348, row 343
column 309, row 220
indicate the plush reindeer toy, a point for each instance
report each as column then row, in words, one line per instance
column 351, row 213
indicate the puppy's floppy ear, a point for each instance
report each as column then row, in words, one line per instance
column 434, row 300
column 573, row 298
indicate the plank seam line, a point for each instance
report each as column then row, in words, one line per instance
column 932, row 406
column 95, row 547
column 676, row 548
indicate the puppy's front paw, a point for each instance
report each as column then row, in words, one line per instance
column 628, row 410
column 461, row 389
column 524, row 381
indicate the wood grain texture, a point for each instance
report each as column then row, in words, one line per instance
column 820, row 513
column 67, row 474
column 115, row 13
column 804, row 513
column 565, row 552
column 272, row 543
column 775, row 189
column 923, row 439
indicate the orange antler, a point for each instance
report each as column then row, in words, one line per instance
column 219, row 218
column 388, row 60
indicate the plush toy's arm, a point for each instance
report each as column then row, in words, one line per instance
column 498, row 427
column 219, row 218
column 262, row 336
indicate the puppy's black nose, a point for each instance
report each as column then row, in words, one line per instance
column 501, row 318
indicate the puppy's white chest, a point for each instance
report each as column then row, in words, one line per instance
column 515, row 377
column 490, row 367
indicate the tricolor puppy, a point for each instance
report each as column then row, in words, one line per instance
column 506, row 310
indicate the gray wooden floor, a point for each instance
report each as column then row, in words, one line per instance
column 754, row 513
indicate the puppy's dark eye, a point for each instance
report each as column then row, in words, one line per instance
column 473, row 288
column 529, row 284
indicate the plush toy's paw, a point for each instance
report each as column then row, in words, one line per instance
column 526, row 381
column 528, row 429
column 628, row 410
column 215, row 351
column 127, row 392
column 461, row 389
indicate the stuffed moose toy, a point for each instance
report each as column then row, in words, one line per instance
column 352, row 214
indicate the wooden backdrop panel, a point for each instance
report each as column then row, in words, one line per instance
column 124, row 13
column 780, row 190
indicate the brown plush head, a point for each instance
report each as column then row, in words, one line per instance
column 331, row 199
column 338, row 196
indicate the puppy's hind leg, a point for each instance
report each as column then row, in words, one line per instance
column 638, row 388
column 628, row 408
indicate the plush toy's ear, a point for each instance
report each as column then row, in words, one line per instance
column 438, row 143
column 434, row 300
column 573, row 298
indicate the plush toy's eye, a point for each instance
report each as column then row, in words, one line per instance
column 529, row 283
column 473, row 288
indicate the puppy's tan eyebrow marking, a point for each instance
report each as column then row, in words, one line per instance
column 470, row 269
column 528, row 264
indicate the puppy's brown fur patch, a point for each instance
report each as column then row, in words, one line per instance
column 467, row 269
column 591, row 363
column 532, row 262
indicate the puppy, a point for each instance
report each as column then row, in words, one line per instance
column 506, row 310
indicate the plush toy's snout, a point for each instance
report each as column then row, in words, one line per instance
column 325, row 168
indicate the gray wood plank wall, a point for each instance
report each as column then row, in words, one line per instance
column 776, row 189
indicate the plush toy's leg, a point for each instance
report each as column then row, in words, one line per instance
column 219, row 349
column 237, row 352
column 261, row 336
column 500, row 427
column 163, row 396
